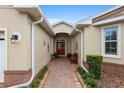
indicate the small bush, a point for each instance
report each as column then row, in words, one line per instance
column 88, row 79
column 95, row 65
column 91, row 83
column 81, row 71
column 35, row 83
column 41, row 73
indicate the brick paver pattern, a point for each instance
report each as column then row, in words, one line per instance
column 62, row 75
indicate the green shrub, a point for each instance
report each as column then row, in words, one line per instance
column 41, row 73
column 91, row 83
column 35, row 83
column 80, row 70
column 95, row 65
column 88, row 79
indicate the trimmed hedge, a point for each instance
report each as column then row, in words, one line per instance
column 95, row 65
column 88, row 79
column 35, row 83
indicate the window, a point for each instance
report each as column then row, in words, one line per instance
column 111, row 41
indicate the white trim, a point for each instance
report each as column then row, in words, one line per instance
column 107, row 11
column 118, row 42
column 50, row 27
column 82, row 49
column 89, row 20
column 62, row 21
column 86, row 21
column 116, row 19
column 25, row 6
column 5, row 33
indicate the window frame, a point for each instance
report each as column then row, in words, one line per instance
column 118, row 42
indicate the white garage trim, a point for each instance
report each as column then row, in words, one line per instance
column 5, row 31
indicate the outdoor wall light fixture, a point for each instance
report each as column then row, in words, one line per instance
column 44, row 42
column 16, row 37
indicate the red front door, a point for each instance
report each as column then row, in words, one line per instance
column 60, row 47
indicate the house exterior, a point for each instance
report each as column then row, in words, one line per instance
column 103, row 35
column 23, row 40
column 27, row 41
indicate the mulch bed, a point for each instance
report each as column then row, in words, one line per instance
column 111, row 81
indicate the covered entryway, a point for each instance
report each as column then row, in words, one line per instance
column 63, row 38
column 2, row 55
column 67, row 41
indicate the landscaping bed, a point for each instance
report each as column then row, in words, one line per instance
column 90, row 79
column 40, row 78
column 98, row 75
column 86, row 79
column 107, row 80
column 111, row 81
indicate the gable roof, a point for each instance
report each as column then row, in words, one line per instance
column 88, row 21
column 36, row 13
column 32, row 10
column 85, row 21
column 107, row 11
column 62, row 21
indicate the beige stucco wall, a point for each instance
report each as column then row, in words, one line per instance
column 62, row 28
column 92, row 43
column 91, row 40
column 18, row 57
column 42, row 54
column 77, row 38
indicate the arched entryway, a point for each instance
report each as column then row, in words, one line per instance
column 62, row 44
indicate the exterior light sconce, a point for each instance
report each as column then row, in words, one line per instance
column 44, row 42
column 16, row 37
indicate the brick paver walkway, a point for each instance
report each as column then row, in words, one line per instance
column 62, row 75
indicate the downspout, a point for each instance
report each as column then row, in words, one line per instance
column 81, row 49
column 33, row 58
